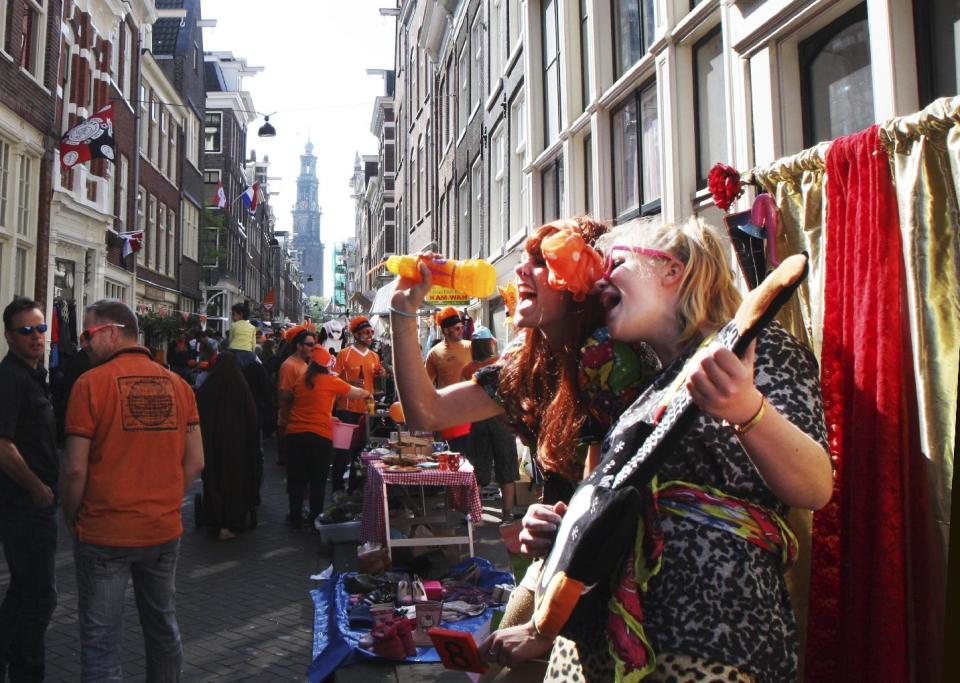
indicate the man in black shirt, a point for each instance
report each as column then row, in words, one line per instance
column 28, row 479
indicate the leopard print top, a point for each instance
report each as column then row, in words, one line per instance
column 717, row 597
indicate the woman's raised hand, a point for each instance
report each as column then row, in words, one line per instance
column 409, row 295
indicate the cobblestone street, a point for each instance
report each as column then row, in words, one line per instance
column 244, row 606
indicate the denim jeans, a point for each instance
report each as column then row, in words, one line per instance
column 102, row 575
column 29, row 545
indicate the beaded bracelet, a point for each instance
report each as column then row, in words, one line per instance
column 402, row 314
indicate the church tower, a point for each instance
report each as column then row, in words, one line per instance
column 306, row 224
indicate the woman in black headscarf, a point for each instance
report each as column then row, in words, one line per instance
column 228, row 421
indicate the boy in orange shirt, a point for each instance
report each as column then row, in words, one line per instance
column 357, row 364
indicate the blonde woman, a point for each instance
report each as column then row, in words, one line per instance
column 710, row 572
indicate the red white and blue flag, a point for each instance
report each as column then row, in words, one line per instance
column 132, row 241
column 220, row 197
column 251, row 196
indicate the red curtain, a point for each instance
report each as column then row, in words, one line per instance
column 858, row 596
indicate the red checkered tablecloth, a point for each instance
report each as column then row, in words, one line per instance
column 463, row 494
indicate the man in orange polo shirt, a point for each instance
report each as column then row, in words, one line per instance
column 133, row 449
column 357, row 364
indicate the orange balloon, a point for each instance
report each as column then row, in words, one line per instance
column 396, row 412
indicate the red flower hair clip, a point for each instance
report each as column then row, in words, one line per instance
column 725, row 185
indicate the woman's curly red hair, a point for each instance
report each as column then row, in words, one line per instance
column 543, row 383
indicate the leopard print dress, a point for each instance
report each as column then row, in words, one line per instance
column 717, row 599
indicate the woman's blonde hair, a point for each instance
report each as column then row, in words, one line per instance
column 708, row 297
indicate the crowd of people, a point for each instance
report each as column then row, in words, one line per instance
column 611, row 325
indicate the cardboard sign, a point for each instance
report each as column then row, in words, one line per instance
column 446, row 296
column 457, row 649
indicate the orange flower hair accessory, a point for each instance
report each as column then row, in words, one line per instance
column 322, row 357
column 574, row 265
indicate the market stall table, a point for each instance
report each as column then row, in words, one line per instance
column 463, row 494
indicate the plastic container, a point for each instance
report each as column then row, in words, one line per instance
column 474, row 277
column 342, row 434
column 345, row 532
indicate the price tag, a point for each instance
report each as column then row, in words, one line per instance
column 457, row 649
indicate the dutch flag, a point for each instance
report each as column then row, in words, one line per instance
column 251, row 196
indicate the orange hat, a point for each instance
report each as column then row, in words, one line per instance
column 291, row 334
column 359, row 323
column 321, row 357
column 448, row 316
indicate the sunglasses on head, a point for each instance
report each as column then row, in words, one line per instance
column 88, row 333
column 609, row 263
column 27, row 330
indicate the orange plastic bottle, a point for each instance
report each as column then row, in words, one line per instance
column 474, row 277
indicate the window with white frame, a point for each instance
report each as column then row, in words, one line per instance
column 515, row 19
column 20, row 268
column 836, row 79
column 144, row 118
column 161, row 237
column 151, row 232
column 588, row 174
column 414, row 81
column 124, row 191
column 191, row 139
column 585, row 52
column 114, row 290
column 32, row 37
column 127, row 66
column 141, row 222
column 552, row 98
column 519, row 210
column 476, row 199
column 190, row 235
column 161, row 143
column 498, row 39
column 115, row 55
column 451, row 93
column 4, row 8
column 711, row 130
column 476, row 64
column 415, row 181
column 172, row 155
column 634, row 27
column 24, row 203
column 636, row 155
column 551, row 185
column 213, row 132
column 464, row 95
column 171, row 241
column 423, row 197
column 498, row 176
column 4, row 184
column 463, row 225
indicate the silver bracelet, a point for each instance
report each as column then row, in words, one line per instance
column 402, row 314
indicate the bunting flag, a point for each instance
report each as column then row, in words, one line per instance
column 89, row 139
column 250, row 197
column 220, row 198
column 132, row 241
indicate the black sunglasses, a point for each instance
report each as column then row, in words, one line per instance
column 27, row 330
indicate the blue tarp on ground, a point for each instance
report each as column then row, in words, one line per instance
column 335, row 644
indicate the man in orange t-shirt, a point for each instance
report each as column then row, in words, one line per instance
column 310, row 432
column 303, row 340
column 357, row 364
column 133, row 450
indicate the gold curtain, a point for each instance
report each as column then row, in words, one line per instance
column 797, row 184
column 924, row 152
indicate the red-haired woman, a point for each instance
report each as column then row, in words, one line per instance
column 547, row 385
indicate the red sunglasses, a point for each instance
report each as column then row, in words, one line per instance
column 88, row 333
column 609, row 264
